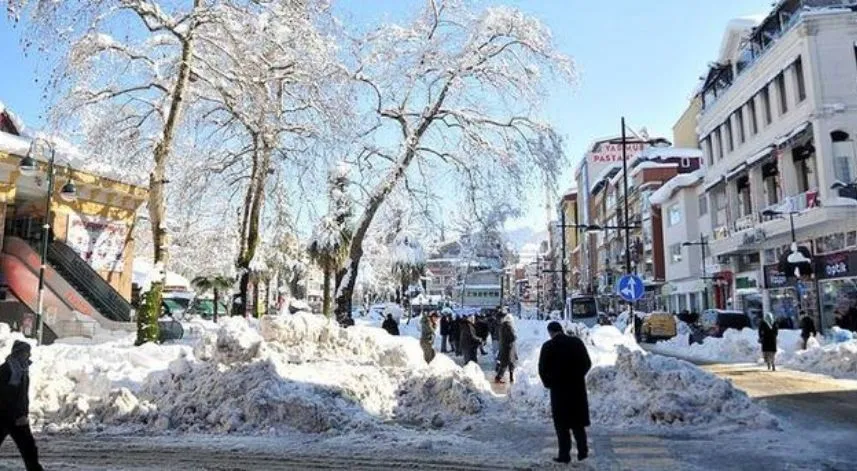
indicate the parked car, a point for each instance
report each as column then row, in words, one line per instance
column 176, row 303
column 658, row 326
column 716, row 321
column 204, row 307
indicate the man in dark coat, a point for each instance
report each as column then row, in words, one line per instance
column 494, row 329
column 768, row 338
column 15, row 404
column 469, row 341
column 455, row 334
column 507, row 355
column 390, row 325
column 445, row 322
column 807, row 328
column 563, row 364
column 482, row 331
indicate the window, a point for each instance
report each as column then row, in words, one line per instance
column 727, row 132
column 709, row 156
column 703, row 204
column 718, row 145
column 766, row 105
column 751, row 109
column 799, row 80
column 739, row 121
column 843, row 155
column 675, row 253
column 781, row 92
column 674, row 215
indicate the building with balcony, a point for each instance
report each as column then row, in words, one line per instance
column 777, row 127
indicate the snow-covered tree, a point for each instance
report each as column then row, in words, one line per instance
column 456, row 89
column 408, row 262
column 331, row 237
column 123, row 69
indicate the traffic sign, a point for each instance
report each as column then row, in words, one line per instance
column 630, row 288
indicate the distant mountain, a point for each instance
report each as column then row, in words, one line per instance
column 525, row 235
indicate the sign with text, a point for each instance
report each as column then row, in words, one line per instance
column 99, row 241
column 609, row 152
column 836, row 265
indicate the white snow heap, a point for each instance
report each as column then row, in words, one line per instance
column 627, row 387
column 299, row 372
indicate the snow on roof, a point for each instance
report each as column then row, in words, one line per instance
column 602, row 175
column 670, row 152
column 736, row 30
column 652, row 165
column 662, row 194
column 572, row 190
column 19, row 124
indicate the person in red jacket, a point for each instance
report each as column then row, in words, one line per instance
column 15, row 404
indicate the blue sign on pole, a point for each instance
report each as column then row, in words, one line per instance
column 630, row 288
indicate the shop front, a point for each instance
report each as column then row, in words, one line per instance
column 783, row 295
column 748, row 295
column 837, row 284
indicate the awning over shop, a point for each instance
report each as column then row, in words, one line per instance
column 714, row 183
column 793, row 134
column 760, row 155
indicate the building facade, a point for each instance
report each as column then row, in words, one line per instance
column 777, row 127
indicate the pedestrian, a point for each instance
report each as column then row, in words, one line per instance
column 390, row 325
column 482, row 331
column 469, row 342
column 445, row 321
column 15, row 404
column 428, row 331
column 494, row 331
column 563, row 364
column 455, row 334
column 768, row 338
column 508, row 352
column 348, row 321
column 807, row 328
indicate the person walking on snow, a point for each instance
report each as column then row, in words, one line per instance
column 508, row 351
column 390, row 325
column 494, row 329
column 455, row 334
column 428, row 330
column 482, row 331
column 469, row 342
column 15, row 404
column 563, row 364
column 768, row 338
column 807, row 328
column 445, row 321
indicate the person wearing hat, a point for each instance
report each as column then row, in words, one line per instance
column 15, row 404
column 428, row 331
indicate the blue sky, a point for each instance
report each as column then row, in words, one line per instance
column 640, row 59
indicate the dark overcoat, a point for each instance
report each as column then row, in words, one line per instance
column 508, row 354
column 768, row 337
column 563, row 364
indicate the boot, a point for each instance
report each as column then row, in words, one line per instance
column 511, row 376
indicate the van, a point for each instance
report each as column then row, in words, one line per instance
column 716, row 321
column 658, row 326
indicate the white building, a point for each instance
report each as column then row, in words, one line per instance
column 777, row 130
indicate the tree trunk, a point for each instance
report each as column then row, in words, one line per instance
column 147, row 318
column 325, row 297
column 256, row 193
column 216, row 303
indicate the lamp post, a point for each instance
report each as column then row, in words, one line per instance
column 29, row 167
column 703, row 244
column 794, row 258
column 564, row 270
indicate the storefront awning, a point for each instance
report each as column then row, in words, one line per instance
column 714, row 183
column 735, row 171
column 795, row 133
column 760, row 155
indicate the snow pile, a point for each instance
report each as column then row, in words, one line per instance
column 736, row 346
column 646, row 389
column 299, row 372
column 630, row 388
column 837, row 359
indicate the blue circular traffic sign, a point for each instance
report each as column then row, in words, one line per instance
column 630, row 288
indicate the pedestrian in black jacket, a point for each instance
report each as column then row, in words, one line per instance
column 15, row 404
column 445, row 322
column 768, row 330
column 455, row 334
column 390, row 325
column 469, row 342
column 507, row 355
column 482, row 331
column 807, row 328
column 563, row 364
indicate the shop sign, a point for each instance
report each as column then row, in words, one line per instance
column 745, row 282
column 837, row 265
column 774, row 278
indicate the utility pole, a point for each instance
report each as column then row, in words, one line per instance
column 564, row 263
column 627, row 221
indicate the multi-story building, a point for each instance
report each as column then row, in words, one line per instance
column 777, row 127
column 569, row 215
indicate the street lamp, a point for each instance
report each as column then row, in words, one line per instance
column 29, row 166
column 703, row 244
column 795, row 257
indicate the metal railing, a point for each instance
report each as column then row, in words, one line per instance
column 90, row 284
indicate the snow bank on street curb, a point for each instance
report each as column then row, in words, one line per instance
column 630, row 388
column 299, row 372
column 834, row 359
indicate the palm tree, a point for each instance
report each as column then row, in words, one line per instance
column 329, row 250
column 216, row 284
column 409, row 264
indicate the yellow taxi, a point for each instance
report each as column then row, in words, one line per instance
column 658, row 326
